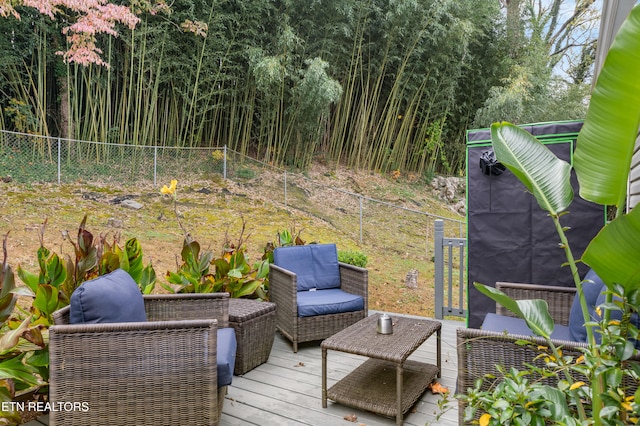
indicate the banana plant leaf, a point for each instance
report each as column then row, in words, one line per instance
column 615, row 251
column 534, row 312
column 546, row 176
column 604, row 148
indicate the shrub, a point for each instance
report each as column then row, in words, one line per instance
column 353, row 257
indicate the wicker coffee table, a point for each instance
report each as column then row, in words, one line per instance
column 370, row 386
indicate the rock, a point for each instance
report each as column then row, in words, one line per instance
column 450, row 188
column 90, row 196
column 411, row 281
column 131, row 204
column 460, row 207
column 119, row 200
column 114, row 223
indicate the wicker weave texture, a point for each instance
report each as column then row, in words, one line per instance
column 375, row 384
column 372, row 386
column 558, row 298
column 479, row 351
column 283, row 292
column 255, row 326
column 160, row 372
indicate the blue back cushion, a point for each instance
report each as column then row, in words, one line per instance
column 114, row 297
column 316, row 265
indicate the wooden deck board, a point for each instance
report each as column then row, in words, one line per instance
column 287, row 389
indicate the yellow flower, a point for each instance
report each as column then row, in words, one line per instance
column 577, row 385
column 580, row 359
column 171, row 189
column 484, row 419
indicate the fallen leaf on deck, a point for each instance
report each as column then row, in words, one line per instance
column 300, row 364
column 351, row 417
column 438, row 388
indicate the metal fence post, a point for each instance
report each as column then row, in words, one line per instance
column 224, row 164
column 438, row 260
column 360, row 198
column 155, row 165
column 59, row 158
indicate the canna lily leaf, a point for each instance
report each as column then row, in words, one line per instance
column 134, row 257
column 29, row 278
column 46, row 299
column 542, row 173
column 10, row 338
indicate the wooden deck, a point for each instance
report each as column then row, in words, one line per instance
column 287, row 389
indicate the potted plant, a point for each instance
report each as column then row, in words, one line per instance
column 602, row 162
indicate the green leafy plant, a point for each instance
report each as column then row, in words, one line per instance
column 23, row 355
column 602, row 162
column 283, row 239
column 200, row 272
column 59, row 276
column 353, row 257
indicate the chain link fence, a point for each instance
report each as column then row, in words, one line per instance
column 28, row 158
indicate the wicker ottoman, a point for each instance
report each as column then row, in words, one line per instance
column 255, row 325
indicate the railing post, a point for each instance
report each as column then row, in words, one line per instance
column 438, row 259
column 224, row 164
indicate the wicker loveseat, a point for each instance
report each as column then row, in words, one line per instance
column 164, row 370
column 316, row 296
column 480, row 351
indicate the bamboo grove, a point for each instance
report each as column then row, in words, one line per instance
column 373, row 84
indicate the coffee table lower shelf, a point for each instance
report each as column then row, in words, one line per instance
column 372, row 386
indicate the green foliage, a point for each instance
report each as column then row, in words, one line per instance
column 602, row 162
column 245, row 173
column 282, row 81
column 232, row 272
column 22, row 345
column 518, row 400
column 353, row 257
column 58, row 277
column 283, row 239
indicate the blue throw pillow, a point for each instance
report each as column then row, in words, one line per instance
column 114, row 297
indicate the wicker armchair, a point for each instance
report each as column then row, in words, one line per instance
column 162, row 371
column 284, row 289
column 479, row 351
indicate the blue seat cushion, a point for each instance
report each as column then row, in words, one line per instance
column 114, row 297
column 511, row 325
column 324, row 302
column 315, row 265
column 226, row 355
